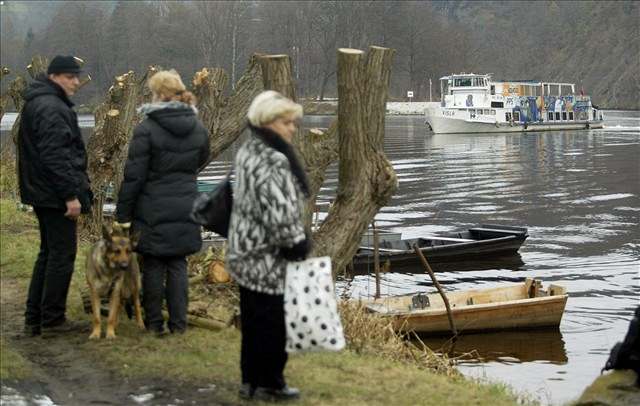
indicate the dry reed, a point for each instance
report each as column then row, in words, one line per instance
column 8, row 174
column 367, row 333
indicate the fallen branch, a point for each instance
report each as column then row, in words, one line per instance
column 427, row 267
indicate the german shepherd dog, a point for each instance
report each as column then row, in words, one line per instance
column 113, row 270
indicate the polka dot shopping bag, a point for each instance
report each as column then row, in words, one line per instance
column 310, row 307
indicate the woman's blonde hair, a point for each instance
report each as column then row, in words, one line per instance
column 167, row 85
column 270, row 105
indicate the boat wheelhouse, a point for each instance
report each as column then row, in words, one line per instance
column 473, row 103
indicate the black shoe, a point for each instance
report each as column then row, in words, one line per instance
column 65, row 327
column 246, row 391
column 271, row 394
column 32, row 330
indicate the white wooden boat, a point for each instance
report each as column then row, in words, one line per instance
column 520, row 306
column 473, row 103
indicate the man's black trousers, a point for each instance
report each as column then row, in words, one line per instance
column 263, row 355
column 47, row 300
column 165, row 277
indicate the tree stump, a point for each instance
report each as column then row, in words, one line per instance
column 37, row 66
column 208, row 87
column 366, row 178
column 108, row 145
column 226, row 125
column 4, row 97
column 318, row 149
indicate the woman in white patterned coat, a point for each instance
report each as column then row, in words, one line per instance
column 266, row 231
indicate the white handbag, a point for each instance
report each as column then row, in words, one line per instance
column 310, row 307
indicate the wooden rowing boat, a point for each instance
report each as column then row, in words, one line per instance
column 524, row 305
column 488, row 241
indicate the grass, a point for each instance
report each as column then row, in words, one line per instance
column 12, row 364
column 376, row 369
column 615, row 387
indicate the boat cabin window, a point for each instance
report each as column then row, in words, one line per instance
column 493, row 90
column 507, row 116
column 550, row 116
column 564, row 116
column 493, row 112
column 557, row 116
column 571, row 116
column 472, row 113
column 461, row 82
column 516, row 116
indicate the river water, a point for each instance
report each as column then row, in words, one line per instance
column 578, row 192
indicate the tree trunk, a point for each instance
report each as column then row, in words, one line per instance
column 208, row 87
column 4, row 97
column 108, row 145
column 317, row 148
column 366, row 178
column 229, row 121
column 16, row 90
column 276, row 74
column 18, row 86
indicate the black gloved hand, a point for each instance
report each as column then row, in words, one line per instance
column 298, row 252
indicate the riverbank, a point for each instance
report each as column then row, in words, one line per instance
column 330, row 107
column 200, row 366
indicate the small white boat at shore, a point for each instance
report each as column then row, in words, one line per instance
column 473, row 103
column 521, row 306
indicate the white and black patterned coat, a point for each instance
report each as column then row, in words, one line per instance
column 267, row 213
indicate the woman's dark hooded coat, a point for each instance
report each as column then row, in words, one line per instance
column 166, row 153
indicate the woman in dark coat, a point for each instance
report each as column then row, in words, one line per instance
column 166, row 153
column 266, row 231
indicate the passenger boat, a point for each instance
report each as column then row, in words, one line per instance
column 521, row 306
column 487, row 241
column 473, row 103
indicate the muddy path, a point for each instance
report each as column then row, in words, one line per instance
column 64, row 371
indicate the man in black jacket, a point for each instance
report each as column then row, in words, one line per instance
column 53, row 179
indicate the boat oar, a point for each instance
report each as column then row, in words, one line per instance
column 427, row 267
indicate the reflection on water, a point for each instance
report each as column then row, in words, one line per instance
column 504, row 347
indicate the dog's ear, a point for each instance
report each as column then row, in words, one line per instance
column 135, row 238
column 106, row 232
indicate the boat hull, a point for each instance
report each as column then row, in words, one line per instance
column 522, row 306
column 491, row 242
column 443, row 125
column 527, row 313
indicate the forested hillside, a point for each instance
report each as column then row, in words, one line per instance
column 594, row 44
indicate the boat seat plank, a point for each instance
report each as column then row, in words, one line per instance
column 496, row 230
column 447, row 239
column 381, row 249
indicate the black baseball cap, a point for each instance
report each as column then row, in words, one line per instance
column 64, row 64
